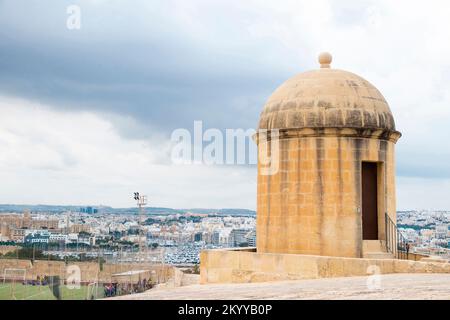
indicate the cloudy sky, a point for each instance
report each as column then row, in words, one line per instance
column 86, row 114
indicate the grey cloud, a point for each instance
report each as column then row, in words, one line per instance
column 164, row 81
column 137, row 61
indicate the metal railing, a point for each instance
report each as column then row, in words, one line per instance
column 396, row 243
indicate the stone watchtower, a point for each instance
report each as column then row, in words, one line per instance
column 336, row 172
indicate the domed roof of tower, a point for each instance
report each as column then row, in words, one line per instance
column 326, row 98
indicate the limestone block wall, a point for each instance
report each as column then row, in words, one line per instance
column 223, row 266
column 14, row 264
column 312, row 205
column 161, row 273
column 89, row 271
column 43, row 267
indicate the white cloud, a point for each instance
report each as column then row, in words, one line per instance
column 78, row 158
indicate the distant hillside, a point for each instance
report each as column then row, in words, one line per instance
column 41, row 208
column 105, row 209
column 229, row 212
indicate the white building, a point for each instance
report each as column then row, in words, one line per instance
column 58, row 237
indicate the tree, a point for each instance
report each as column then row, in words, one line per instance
column 26, row 253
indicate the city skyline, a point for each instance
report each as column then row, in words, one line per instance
column 86, row 115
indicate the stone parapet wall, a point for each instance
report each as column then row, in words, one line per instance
column 417, row 256
column 225, row 266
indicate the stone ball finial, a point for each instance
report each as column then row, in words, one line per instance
column 325, row 59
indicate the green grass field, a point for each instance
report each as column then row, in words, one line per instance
column 17, row 291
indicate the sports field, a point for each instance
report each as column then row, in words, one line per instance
column 18, row 291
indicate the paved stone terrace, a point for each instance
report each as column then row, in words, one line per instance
column 392, row 286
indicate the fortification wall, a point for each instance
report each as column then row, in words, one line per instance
column 231, row 266
column 89, row 271
column 312, row 203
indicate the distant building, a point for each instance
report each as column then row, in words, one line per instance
column 441, row 231
column 12, row 226
column 37, row 237
column 58, row 237
column 77, row 228
column 88, row 210
column 72, row 238
column 238, row 237
column 251, row 238
column 215, row 238
column 198, row 237
column 17, row 234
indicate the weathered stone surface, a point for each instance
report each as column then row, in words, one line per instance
column 312, row 205
column 240, row 266
column 389, row 286
column 326, row 98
